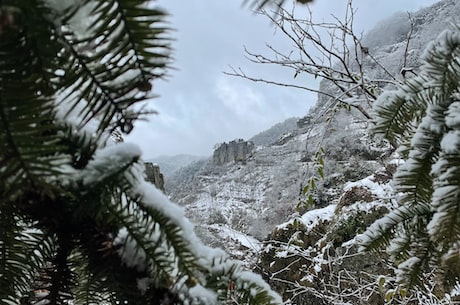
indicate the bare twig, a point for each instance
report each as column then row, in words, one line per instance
column 313, row 55
column 404, row 68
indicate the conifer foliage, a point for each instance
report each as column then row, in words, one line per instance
column 422, row 118
column 78, row 223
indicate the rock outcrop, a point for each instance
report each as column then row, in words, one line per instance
column 304, row 121
column 153, row 175
column 234, row 151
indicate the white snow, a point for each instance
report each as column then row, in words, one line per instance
column 312, row 218
column 204, row 294
column 431, row 121
column 450, row 143
column 408, row 264
column 282, row 254
column 453, row 115
column 379, row 190
column 130, row 252
column 244, row 239
column 317, row 267
column 444, row 199
column 438, row 168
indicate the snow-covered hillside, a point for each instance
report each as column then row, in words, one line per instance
column 252, row 197
column 249, row 207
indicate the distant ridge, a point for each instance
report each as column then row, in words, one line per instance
column 170, row 164
column 269, row 136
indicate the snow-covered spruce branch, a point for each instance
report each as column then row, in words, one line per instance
column 421, row 119
column 101, row 233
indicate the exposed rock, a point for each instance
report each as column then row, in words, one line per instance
column 153, row 175
column 285, row 138
column 352, row 195
column 386, row 174
column 234, row 151
column 304, row 121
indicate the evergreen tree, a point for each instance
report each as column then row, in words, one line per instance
column 78, row 223
column 422, row 118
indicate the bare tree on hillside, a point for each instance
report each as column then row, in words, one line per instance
column 330, row 51
column 335, row 54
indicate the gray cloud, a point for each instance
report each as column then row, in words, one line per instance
column 199, row 106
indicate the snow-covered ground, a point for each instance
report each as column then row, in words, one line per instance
column 237, row 205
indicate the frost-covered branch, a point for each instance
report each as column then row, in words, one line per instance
column 330, row 51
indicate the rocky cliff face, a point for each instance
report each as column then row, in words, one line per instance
column 153, row 175
column 233, row 151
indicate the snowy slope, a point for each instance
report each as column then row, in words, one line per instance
column 238, row 202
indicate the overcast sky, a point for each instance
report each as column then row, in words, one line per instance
column 200, row 106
